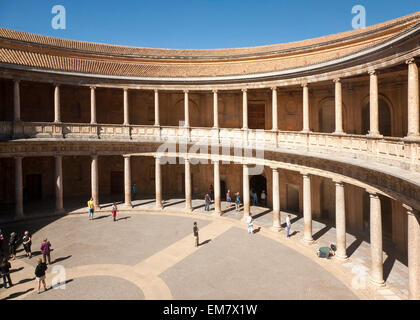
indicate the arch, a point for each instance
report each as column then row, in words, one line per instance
column 257, row 184
column 326, row 115
column 386, row 116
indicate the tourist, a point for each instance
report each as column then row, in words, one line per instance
column 13, row 245
column 326, row 252
column 91, row 208
column 288, row 226
column 207, row 202
column 1, row 242
column 46, row 250
column 134, row 189
column 114, row 211
column 27, row 243
column 211, row 192
column 263, row 198
column 228, row 198
column 195, row 231
column 40, row 274
column 250, row 225
column 255, row 198
column 237, row 201
column 5, row 272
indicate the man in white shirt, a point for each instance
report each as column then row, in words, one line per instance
column 289, row 224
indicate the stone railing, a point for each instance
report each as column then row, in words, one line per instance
column 393, row 151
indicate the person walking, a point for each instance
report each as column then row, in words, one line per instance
column 114, row 211
column 91, row 208
column 288, row 226
column 195, row 231
column 5, row 272
column 134, row 190
column 13, row 245
column 250, row 225
column 40, row 274
column 254, row 198
column 263, row 198
column 27, row 243
column 46, row 251
column 237, row 201
column 207, row 202
column 228, row 198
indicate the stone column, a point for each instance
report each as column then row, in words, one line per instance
column 413, row 253
column 215, row 110
column 245, row 178
column 305, row 108
column 374, row 105
column 276, row 201
column 126, row 108
column 127, row 181
column 94, row 181
column 413, row 99
column 92, row 105
column 188, row 197
column 57, row 116
column 340, row 220
column 158, row 182
column 217, row 203
column 338, row 107
column 59, row 184
column 244, row 109
column 376, row 269
column 157, row 121
column 186, row 109
column 275, row 113
column 307, row 209
column 16, row 101
column 18, row 189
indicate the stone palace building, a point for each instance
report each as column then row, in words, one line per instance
column 332, row 122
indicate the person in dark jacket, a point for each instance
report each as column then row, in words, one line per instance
column 27, row 243
column 5, row 272
column 40, row 274
column 13, row 245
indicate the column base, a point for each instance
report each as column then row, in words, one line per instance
column 339, row 133
column 308, row 241
column 244, row 218
column 276, row 228
column 374, row 135
column 59, row 211
column 306, row 131
column 188, row 210
column 217, row 213
column 127, row 206
column 412, row 138
column 341, row 258
column 377, row 283
column 159, row 207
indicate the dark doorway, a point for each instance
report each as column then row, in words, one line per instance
column 292, row 193
column 33, row 187
column 256, row 116
column 117, row 182
column 223, row 190
column 384, row 119
column 258, row 184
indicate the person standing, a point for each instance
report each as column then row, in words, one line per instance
column 288, row 226
column 27, row 243
column 91, row 208
column 40, row 274
column 254, row 198
column 114, row 211
column 207, row 201
column 13, row 245
column 46, row 250
column 1, row 242
column 237, row 201
column 195, row 231
column 5, row 272
column 250, row 225
column 134, row 189
column 228, row 198
column 211, row 192
column 264, row 198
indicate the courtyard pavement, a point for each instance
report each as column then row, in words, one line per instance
column 149, row 254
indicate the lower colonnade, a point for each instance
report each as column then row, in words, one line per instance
column 217, row 163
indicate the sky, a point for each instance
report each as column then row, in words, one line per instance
column 197, row 24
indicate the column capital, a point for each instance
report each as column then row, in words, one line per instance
column 305, row 173
column 17, row 80
column 410, row 210
column 273, row 88
column 373, row 194
column 94, row 156
column 304, row 84
column 410, row 60
column 338, row 182
column 337, row 80
column 125, row 89
column 275, row 169
column 244, row 89
column 126, row 156
column 17, row 157
column 372, row 72
column 214, row 90
column 55, row 84
column 185, row 91
column 156, row 90
column 92, row 87
column 58, row 156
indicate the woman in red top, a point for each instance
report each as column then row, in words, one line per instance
column 114, row 210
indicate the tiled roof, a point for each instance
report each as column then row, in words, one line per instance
column 26, row 49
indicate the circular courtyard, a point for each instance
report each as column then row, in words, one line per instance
column 151, row 255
